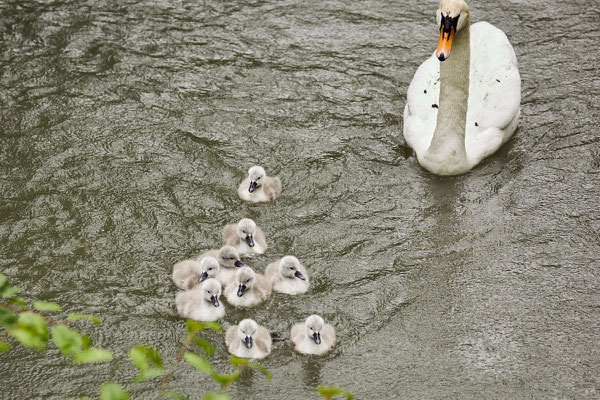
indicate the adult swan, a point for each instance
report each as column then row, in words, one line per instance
column 463, row 107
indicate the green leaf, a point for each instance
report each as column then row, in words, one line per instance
column 226, row 379
column 7, row 318
column 331, row 391
column 205, row 346
column 94, row 354
column 194, row 326
column 9, row 291
column 3, row 281
column 87, row 341
column 4, row 347
column 174, row 395
column 198, row 362
column 262, row 369
column 18, row 301
column 76, row 316
column 148, row 374
column 215, row 396
column 68, row 340
column 215, row 326
column 78, row 398
column 46, row 306
column 113, row 391
column 143, row 357
column 238, row 361
column 31, row 330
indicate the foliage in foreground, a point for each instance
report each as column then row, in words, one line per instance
column 35, row 329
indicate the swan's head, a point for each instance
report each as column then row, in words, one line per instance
column 247, row 331
column 245, row 280
column 246, row 229
column 210, row 267
column 257, row 177
column 452, row 16
column 211, row 290
column 229, row 257
column 289, row 268
column 314, row 326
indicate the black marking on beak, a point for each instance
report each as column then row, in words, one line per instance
column 241, row 290
column 214, row 300
column 248, row 342
column 238, row 264
column 252, row 187
column 249, row 240
column 317, row 337
column 448, row 23
column 299, row 275
column 203, row 277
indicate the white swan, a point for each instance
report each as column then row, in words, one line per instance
column 202, row 302
column 248, row 290
column 189, row 273
column 245, row 237
column 248, row 339
column 287, row 276
column 313, row 336
column 229, row 262
column 463, row 109
column 258, row 187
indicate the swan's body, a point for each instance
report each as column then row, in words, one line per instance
column 248, row 290
column 202, row 302
column 229, row 262
column 288, row 276
column 248, row 340
column 313, row 336
column 464, row 108
column 245, row 237
column 258, row 187
column 186, row 274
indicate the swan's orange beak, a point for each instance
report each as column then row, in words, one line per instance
column 445, row 43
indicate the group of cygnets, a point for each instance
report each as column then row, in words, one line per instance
column 202, row 280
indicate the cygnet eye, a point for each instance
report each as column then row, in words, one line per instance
column 247, row 280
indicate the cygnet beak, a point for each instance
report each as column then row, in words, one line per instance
column 250, row 241
column 317, row 337
column 241, row 290
column 299, row 275
column 203, row 277
column 252, row 187
column 238, row 264
column 248, row 342
column 214, row 300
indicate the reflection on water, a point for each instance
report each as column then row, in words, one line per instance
column 126, row 128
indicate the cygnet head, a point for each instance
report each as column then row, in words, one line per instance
column 246, row 229
column 247, row 331
column 288, row 266
column 211, row 290
column 452, row 16
column 245, row 279
column 314, row 325
column 229, row 257
column 257, row 177
column 210, row 267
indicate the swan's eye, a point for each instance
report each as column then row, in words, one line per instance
column 247, row 280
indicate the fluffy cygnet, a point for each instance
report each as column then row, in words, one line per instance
column 189, row 273
column 313, row 336
column 202, row 302
column 248, row 340
column 258, row 186
column 248, row 290
column 246, row 237
column 288, row 276
column 229, row 262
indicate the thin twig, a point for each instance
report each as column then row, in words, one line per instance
column 180, row 355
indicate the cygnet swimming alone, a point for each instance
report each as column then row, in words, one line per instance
column 246, row 237
column 258, row 187
column 248, row 290
column 202, row 302
column 229, row 262
column 248, row 340
column 287, row 275
column 313, row 336
column 189, row 273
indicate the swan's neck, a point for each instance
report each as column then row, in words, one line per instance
column 446, row 154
